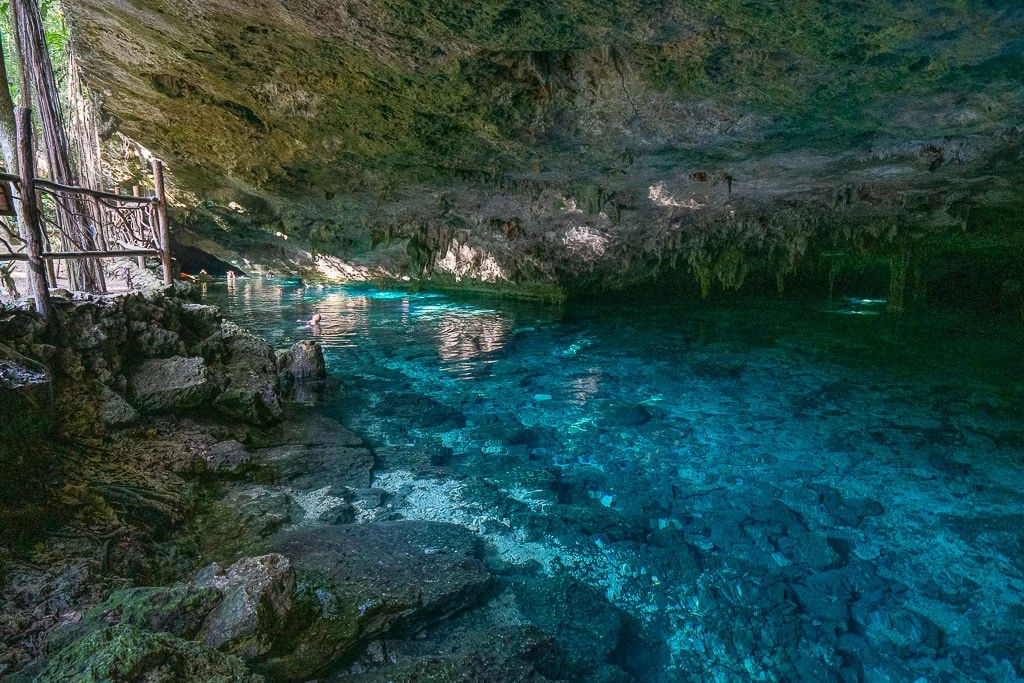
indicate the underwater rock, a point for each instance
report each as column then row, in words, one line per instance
column 903, row 633
column 171, row 384
column 583, row 622
column 114, row 409
column 418, row 411
column 382, row 576
column 257, row 596
column 127, row 653
column 514, row 654
column 617, row 415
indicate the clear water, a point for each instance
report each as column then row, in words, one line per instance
column 773, row 491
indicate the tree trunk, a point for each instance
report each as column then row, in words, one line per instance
column 8, row 141
column 34, row 59
column 8, row 135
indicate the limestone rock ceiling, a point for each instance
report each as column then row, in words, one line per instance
column 549, row 135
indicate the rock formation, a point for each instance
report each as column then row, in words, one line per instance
column 541, row 149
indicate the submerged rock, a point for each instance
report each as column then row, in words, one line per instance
column 373, row 579
column 418, row 410
column 583, row 622
column 256, row 598
column 515, row 654
column 166, row 384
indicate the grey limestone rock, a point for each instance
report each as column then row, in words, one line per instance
column 116, row 410
column 170, row 384
column 249, row 376
column 226, row 456
column 257, row 596
column 385, row 576
column 304, row 361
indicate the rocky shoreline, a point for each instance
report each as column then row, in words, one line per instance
column 162, row 523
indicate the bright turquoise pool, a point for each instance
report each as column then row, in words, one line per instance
column 769, row 490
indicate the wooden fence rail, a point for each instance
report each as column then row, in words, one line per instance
column 138, row 224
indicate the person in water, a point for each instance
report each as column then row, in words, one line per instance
column 314, row 324
column 231, row 275
column 204, row 277
column 270, row 275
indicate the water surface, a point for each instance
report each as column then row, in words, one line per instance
column 771, row 490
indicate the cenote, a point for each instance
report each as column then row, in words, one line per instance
column 490, row 341
column 762, row 489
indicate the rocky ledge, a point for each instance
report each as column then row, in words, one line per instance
column 168, row 522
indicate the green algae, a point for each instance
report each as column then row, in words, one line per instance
column 125, row 652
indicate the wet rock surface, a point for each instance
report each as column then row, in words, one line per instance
column 364, row 581
column 126, row 652
column 256, row 597
column 303, row 362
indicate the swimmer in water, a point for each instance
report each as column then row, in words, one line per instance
column 314, row 321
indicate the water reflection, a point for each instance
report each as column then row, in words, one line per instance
column 464, row 339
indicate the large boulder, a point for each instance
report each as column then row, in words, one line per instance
column 256, row 598
column 166, row 384
column 302, row 371
column 242, row 521
column 303, row 362
column 226, row 457
column 362, row 582
column 311, row 449
column 248, row 372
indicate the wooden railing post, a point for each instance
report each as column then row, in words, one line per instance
column 30, row 212
column 161, row 218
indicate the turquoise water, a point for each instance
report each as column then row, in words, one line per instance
column 769, row 490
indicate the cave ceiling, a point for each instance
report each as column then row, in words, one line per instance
column 553, row 134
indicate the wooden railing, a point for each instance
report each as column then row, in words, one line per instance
column 90, row 224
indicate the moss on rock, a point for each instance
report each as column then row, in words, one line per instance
column 128, row 653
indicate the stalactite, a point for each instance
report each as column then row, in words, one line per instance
column 833, row 274
column 898, row 266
